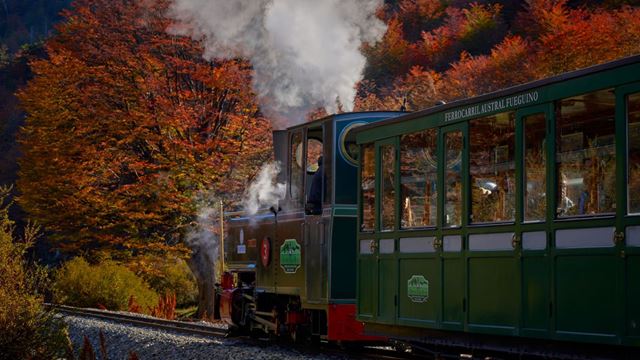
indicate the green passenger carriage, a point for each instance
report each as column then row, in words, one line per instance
column 508, row 219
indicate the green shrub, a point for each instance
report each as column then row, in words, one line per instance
column 108, row 284
column 171, row 276
column 27, row 330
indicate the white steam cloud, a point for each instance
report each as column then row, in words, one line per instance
column 265, row 191
column 204, row 242
column 305, row 52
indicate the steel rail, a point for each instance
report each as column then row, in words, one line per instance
column 156, row 323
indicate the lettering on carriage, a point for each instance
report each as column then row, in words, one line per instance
column 496, row 105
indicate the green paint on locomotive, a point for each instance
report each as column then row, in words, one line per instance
column 311, row 255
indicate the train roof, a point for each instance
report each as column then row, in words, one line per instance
column 500, row 93
column 344, row 116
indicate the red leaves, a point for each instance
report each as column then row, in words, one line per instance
column 166, row 307
column 586, row 38
column 468, row 50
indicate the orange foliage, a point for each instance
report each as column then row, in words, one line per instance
column 389, row 56
column 589, row 37
column 465, row 48
column 127, row 125
column 507, row 65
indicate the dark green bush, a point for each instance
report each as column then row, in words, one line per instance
column 107, row 284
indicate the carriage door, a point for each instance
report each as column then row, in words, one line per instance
column 587, row 236
column 377, row 260
column 419, row 253
column 449, row 285
column 367, row 244
column 315, row 227
column 630, row 245
column 531, row 236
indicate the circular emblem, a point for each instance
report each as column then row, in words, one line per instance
column 265, row 251
column 348, row 147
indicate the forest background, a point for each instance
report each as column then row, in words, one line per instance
column 117, row 135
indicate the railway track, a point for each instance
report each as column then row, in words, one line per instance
column 208, row 331
column 162, row 324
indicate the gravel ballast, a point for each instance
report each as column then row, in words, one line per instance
column 149, row 343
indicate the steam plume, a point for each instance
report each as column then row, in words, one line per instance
column 305, row 52
column 203, row 241
column 265, row 191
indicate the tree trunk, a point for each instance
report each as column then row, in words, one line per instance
column 203, row 268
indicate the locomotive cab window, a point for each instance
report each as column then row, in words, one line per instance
column 585, row 154
column 296, row 170
column 315, row 179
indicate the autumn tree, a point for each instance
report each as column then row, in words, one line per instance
column 587, row 37
column 127, row 128
column 446, row 50
column 510, row 63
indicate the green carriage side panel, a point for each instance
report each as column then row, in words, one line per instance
column 387, row 290
column 366, row 299
column 453, row 293
column 419, row 310
column 343, row 251
column 493, row 293
column 633, row 296
column 535, row 295
column 585, row 288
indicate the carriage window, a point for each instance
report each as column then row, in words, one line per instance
column 492, row 167
column 387, row 187
column 453, row 179
column 633, row 181
column 418, row 178
column 296, row 171
column 368, row 189
column 535, row 184
column 585, row 154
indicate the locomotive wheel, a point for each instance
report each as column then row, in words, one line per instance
column 302, row 335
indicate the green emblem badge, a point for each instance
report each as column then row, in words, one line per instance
column 418, row 289
column 290, row 256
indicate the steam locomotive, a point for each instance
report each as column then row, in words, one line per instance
column 506, row 223
column 293, row 264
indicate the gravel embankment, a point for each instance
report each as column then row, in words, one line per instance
column 157, row 344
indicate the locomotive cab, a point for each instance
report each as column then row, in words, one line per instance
column 293, row 261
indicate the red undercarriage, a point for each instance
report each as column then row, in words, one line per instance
column 343, row 326
column 341, row 320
